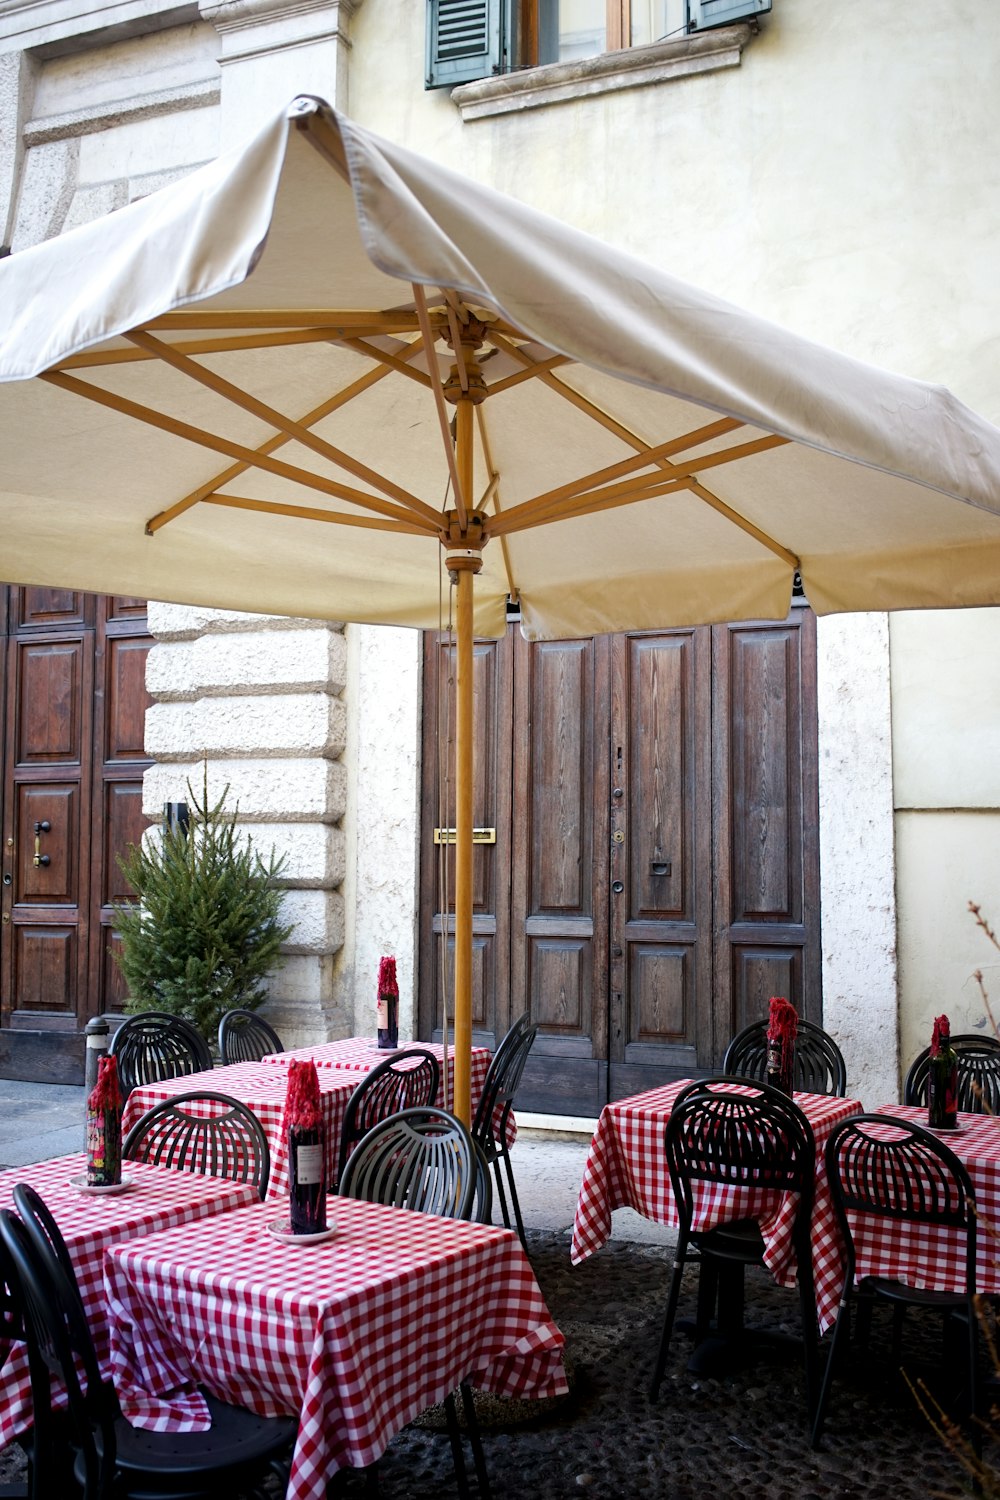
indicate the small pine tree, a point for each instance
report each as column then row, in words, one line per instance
column 206, row 929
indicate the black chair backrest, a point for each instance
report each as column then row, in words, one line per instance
column 404, row 1080
column 819, row 1062
column 755, row 1137
column 883, row 1167
column 244, row 1036
column 503, row 1077
column 203, row 1132
column 978, row 1074
column 423, row 1159
column 155, row 1045
column 60, row 1349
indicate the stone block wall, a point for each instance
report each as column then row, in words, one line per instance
column 259, row 702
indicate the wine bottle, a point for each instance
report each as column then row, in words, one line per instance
column 306, row 1150
column 104, row 1127
column 782, row 1028
column 387, row 1010
column 307, row 1180
column 942, row 1078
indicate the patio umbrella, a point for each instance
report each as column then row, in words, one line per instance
column 320, row 372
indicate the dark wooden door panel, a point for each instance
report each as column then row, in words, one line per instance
column 558, row 891
column 50, row 679
column 661, row 857
column 491, row 860
column 767, row 930
column 74, row 701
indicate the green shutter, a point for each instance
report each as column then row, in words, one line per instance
column 705, row 13
column 463, row 41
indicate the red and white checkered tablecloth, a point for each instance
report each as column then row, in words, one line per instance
column 359, row 1054
column 357, row 1335
column 627, row 1168
column 930, row 1258
column 159, row 1199
column 264, row 1088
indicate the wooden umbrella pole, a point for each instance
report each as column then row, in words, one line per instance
column 463, row 850
column 464, row 561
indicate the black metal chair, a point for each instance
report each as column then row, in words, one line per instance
column 203, row 1132
column 244, row 1036
column 423, row 1159
column 819, row 1062
column 155, row 1045
column 405, row 1080
column 12, row 1329
column 110, row 1459
column 757, row 1139
column 904, row 1173
column 978, row 1074
column 426, row 1160
column 489, row 1125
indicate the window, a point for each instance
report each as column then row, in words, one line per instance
column 471, row 39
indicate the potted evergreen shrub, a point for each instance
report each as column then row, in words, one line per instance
column 206, row 928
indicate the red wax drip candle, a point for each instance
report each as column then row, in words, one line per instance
column 782, row 1029
column 306, row 1150
column 104, row 1127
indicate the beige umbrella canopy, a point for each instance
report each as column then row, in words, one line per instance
column 316, row 373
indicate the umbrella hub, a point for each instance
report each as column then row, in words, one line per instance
column 465, row 380
column 463, row 545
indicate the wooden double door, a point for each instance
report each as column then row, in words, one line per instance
column 649, row 871
column 72, row 704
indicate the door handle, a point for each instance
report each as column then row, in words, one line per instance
column 40, row 828
column 659, row 867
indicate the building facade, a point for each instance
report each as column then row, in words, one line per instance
column 825, row 166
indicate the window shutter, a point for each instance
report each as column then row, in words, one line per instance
column 463, row 41
column 703, row 14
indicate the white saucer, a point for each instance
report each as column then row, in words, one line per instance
column 281, row 1229
column 945, row 1135
column 83, row 1186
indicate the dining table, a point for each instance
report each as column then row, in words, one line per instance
column 150, row 1198
column 933, row 1256
column 356, row 1332
column 263, row 1088
column 626, row 1167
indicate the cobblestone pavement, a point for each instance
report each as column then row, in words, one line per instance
column 743, row 1433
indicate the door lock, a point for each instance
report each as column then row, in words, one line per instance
column 40, row 828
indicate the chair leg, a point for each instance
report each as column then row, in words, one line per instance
column 843, row 1321
column 500, row 1192
column 476, row 1441
column 515, row 1204
column 680, row 1259
column 455, row 1437
column 810, row 1338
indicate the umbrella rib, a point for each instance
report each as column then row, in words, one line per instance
column 277, row 441
column 207, row 346
column 449, row 446
column 401, row 320
column 541, row 367
column 391, row 361
column 251, row 458
column 613, row 496
column 727, row 511
column 598, row 478
column 310, row 513
column 241, row 398
column 492, row 493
